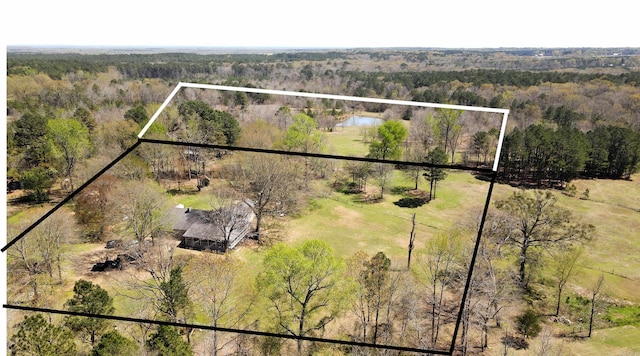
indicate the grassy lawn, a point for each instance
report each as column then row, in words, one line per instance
column 195, row 201
column 16, row 218
column 621, row 340
column 346, row 141
column 349, row 226
column 613, row 209
column 612, row 341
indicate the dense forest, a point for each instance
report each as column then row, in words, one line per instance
column 578, row 120
column 303, row 272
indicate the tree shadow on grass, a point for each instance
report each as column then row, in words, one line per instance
column 515, row 342
column 412, row 198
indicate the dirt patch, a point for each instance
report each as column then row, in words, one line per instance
column 83, row 262
column 417, row 193
column 348, row 217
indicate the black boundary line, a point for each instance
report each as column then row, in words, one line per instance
column 279, row 152
column 70, row 196
column 238, row 331
column 472, row 263
column 315, row 155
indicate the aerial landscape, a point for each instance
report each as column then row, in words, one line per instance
column 348, row 201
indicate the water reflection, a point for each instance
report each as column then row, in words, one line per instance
column 361, row 121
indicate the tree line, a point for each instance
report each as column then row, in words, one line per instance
column 150, row 65
column 544, row 156
column 22, row 62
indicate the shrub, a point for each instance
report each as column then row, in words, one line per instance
column 528, row 324
column 399, row 190
column 346, row 187
column 411, row 202
column 570, row 190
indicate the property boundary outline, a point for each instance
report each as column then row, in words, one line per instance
column 504, row 112
column 491, row 172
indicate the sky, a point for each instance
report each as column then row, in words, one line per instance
column 324, row 24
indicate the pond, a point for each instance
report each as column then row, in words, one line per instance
column 360, row 121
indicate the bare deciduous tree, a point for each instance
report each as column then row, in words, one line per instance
column 438, row 267
column 224, row 297
column 159, row 261
column 415, row 153
column 537, row 224
column 230, row 215
column 596, row 297
column 268, row 181
column 377, row 289
column 381, row 173
column 565, row 265
column 40, row 253
column 360, row 172
column 450, row 129
column 94, row 209
column 492, row 288
column 144, row 209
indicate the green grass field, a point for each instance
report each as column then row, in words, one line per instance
column 612, row 206
column 346, row 141
column 622, row 340
column 348, row 226
column 613, row 209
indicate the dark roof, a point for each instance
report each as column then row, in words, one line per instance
column 201, row 224
column 185, row 217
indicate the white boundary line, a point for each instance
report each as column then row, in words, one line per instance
column 504, row 112
column 160, row 110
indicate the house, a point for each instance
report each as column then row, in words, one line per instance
column 213, row 230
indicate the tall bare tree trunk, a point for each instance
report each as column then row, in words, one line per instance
column 412, row 237
column 594, row 295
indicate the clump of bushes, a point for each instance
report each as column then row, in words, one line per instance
column 347, row 187
column 411, row 202
column 412, row 198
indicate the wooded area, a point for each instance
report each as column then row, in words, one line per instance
column 575, row 115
